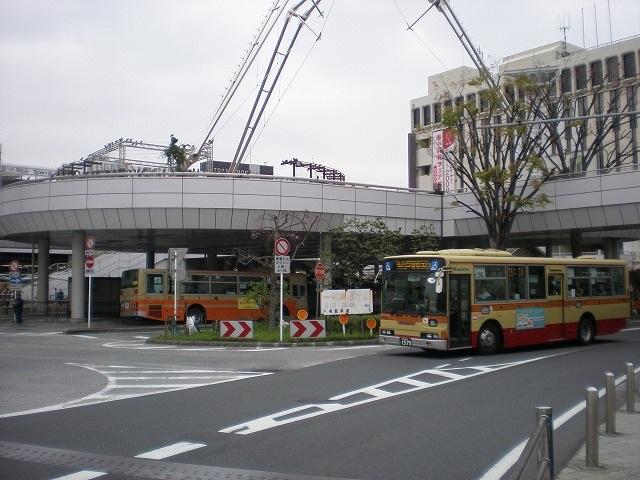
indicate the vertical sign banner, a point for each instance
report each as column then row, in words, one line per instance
column 443, row 141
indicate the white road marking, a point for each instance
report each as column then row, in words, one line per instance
column 83, row 475
column 141, row 381
column 465, row 359
column 443, row 365
column 35, row 334
column 140, row 337
column 171, row 450
column 505, row 463
column 630, row 329
column 82, row 336
column 371, row 393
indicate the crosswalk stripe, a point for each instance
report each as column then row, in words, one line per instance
column 171, row 450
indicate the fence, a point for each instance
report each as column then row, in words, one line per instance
column 540, row 441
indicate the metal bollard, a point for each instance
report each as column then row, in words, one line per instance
column 592, row 427
column 631, row 389
column 610, row 403
column 545, row 447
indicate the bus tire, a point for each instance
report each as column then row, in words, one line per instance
column 489, row 339
column 200, row 317
column 586, row 330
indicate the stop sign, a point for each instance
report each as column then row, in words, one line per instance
column 319, row 271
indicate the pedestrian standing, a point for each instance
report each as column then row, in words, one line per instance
column 18, row 304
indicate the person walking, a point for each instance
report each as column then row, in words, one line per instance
column 18, row 304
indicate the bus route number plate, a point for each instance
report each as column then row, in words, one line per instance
column 405, row 342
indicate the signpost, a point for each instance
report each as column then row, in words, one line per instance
column 89, row 262
column 319, row 272
column 15, row 280
column 282, row 265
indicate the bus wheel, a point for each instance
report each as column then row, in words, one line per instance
column 199, row 317
column 489, row 339
column 586, row 332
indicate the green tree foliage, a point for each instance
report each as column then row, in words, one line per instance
column 359, row 246
column 176, row 157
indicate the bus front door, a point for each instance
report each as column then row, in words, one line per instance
column 459, row 311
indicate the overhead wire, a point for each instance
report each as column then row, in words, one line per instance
column 410, row 27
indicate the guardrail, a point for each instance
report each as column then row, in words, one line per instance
column 540, row 441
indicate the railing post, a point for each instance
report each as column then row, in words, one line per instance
column 631, row 389
column 545, row 448
column 592, row 427
column 610, row 403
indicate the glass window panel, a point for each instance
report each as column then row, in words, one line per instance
column 195, row 288
column 224, row 288
column 618, row 280
column 154, row 283
column 490, row 290
column 517, row 282
column 555, row 285
column 536, row 282
column 489, row 271
column 244, row 282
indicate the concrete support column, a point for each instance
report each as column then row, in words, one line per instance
column 43, row 272
column 212, row 258
column 77, row 277
column 548, row 248
column 150, row 259
column 325, row 256
column 611, row 247
column 576, row 243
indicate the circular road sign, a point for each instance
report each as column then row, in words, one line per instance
column 302, row 314
column 89, row 262
column 371, row 323
column 89, row 242
column 319, row 271
column 282, row 246
column 14, row 265
column 343, row 319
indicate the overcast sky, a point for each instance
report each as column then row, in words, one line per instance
column 77, row 74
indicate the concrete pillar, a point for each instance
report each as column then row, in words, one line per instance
column 548, row 248
column 576, row 243
column 43, row 272
column 611, row 247
column 150, row 259
column 325, row 255
column 212, row 258
column 77, row 277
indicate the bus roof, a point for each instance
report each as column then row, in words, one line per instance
column 480, row 255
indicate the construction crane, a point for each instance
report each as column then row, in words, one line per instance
column 289, row 30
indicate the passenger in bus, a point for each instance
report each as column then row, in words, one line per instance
column 484, row 294
column 412, row 299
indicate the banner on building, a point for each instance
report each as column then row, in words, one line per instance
column 443, row 175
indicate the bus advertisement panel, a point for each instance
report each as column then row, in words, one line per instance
column 204, row 295
column 488, row 299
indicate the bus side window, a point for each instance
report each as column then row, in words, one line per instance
column 554, row 285
column 154, row 283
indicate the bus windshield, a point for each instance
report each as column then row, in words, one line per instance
column 413, row 293
column 129, row 279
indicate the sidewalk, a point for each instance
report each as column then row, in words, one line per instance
column 619, row 454
column 99, row 324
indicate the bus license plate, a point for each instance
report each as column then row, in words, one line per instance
column 405, row 342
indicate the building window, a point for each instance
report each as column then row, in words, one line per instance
column 612, row 69
column 437, row 113
column 565, row 80
column 425, row 170
column 426, row 114
column 471, row 100
column 448, row 105
column 596, row 73
column 581, row 77
column 459, row 102
column 484, row 101
column 629, row 64
column 416, row 117
column 510, row 93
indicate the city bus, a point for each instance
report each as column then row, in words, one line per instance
column 204, row 295
column 488, row 300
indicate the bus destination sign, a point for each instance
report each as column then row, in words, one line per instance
column 423, row 264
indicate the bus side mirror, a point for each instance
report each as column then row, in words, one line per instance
column 439, row 282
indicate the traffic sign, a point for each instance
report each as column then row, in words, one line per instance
column 307, row 329
column 302, row 314
column 14, row 265
column 282, row 264
column 282, row 246
column 89, row 262
column 89, row 242
column 236, row 329
column 319, row 271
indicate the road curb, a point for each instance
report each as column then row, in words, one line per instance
column 242, row 344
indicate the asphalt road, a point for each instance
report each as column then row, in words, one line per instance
column 366, row 413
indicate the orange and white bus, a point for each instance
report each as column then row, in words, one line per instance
column 488, row 300
column 204, row 295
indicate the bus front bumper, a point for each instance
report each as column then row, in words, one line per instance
column 415, row 342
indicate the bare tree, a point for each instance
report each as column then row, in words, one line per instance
column 513, row 141
column 296, row 227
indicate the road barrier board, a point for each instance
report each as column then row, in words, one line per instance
column 236, row 329
column 307, row 329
